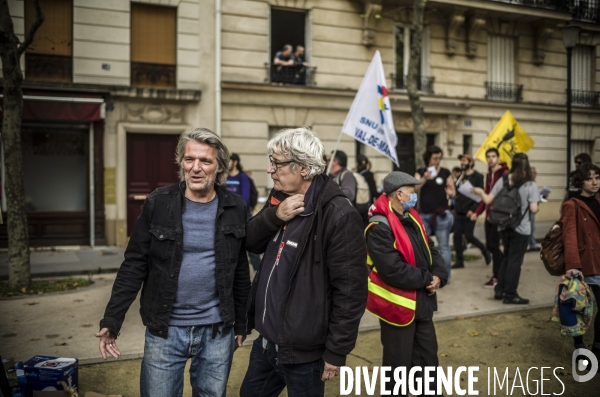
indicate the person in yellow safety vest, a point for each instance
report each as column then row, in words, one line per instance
column 406, row 272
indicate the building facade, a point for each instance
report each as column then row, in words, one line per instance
column 109, row 85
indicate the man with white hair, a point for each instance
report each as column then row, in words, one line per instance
column 310, row 292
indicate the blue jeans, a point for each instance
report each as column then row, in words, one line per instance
column 266, row 377
column 164, row 361
column 442, row 233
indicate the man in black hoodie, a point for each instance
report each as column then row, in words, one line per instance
column 310, row 292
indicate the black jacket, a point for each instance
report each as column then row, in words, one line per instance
column 395, row 271
column 327, row 291
column 464, row 204
column 153, row 258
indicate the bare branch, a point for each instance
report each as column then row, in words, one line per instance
column 39, row 19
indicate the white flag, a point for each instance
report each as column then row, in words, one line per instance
column 370, row 118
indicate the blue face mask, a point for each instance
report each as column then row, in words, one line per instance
column 411, row 203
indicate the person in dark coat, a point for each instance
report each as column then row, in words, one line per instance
column 310, row 291
column 404, row 258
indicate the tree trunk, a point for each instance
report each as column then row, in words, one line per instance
column 412, row 82
column 19, row 274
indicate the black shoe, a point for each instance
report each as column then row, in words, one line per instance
column 488, row 257
column 517, row 300
column 458, row 265
column 498, row 296
column 534, row 249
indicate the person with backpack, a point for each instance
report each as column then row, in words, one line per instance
column 464, row 207
column 580, row 217
column 241, row 184
column 512, row 198
column 342, row 176
column 437, row 185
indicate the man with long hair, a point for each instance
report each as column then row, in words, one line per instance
column 514, row 240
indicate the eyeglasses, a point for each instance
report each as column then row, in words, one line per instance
column 279, row 164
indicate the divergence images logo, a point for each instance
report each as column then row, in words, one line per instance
column 590, row 358
column 383, row 102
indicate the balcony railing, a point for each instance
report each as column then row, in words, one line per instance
column 152, row 75
column 586, row 10
column 582, row 10
column 290, row 75
column 588, row 99
column 503, row 92
column 424, row 83
column 48, row 67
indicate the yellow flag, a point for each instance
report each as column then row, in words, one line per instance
column 508, row 137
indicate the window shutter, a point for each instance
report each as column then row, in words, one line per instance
column 55, row 35
column 581, row 64
column 425, row 53
column 153, row 34
column 501, row 59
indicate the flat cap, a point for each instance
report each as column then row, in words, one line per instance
column 396, row 179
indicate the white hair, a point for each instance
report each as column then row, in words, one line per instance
column 302, row 146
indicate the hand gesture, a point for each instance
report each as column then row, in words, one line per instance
column 427, row 175
column 290, row 207
column 239, row 341
column 108, row 343
column 434, row 286
column 330, row 372
column 571, row 273
column 473, row 216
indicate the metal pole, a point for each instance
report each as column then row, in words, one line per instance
column 569, row 52
column 92, row 189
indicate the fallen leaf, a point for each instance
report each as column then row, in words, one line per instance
column 34, row 339
column 484, row 363
column 440, row 301
column 444, row 355
column 509, row 343
column 537, row 327
column 460, row 318
column 86, row 325
column 32, row 303
column 78, row 300
column 456, row 345
column 494, row 333
column 17, row 321
column 51, row 336
column 60, row 343
column 474, row 333
column 9, row 335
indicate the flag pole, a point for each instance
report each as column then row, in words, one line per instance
column 334, row 152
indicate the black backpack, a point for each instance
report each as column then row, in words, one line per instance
column 506, row 207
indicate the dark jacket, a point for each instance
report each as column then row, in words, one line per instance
column 395, row 271
column 327, row 291
column 153, row 259
column 581, row 237
column 464, row 204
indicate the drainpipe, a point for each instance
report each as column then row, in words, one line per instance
column 218, row 67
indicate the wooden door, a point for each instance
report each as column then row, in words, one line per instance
column 150, row 165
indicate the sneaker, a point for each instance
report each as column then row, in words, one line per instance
column 487, row 255
column 517, row 300
column 498, row 297
column 458, row 265
column 491, row 284
column 534, row 249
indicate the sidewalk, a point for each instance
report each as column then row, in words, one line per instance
column 64, row 324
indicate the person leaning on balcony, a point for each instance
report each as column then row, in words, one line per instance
column 299, row 56
column 187, row 254
column 406, row 273
column 284, row 57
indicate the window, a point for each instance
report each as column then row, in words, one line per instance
column 153, row 45
column 501, row 70
column 291, row 45
column 581, row 64
column 467, row 144
column 581, row 146
column 50, row 55
column 403, row 37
